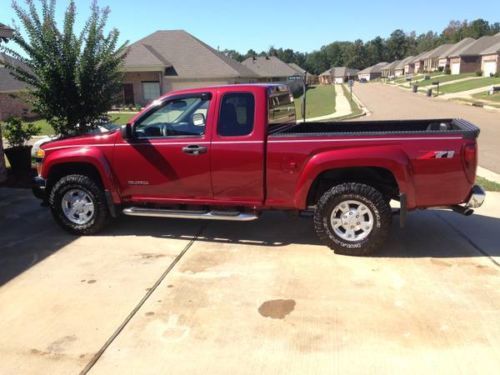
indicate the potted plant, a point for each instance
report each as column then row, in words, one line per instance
column 18, row 134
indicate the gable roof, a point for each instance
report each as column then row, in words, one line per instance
column 495, row 48
column 404, row 62
column 188, row 56
column 269, row 66
column 377, row 68
column 9, row 83
column 5, row 31
column 474, row 49
column 391, row 65
column 297, row 68
column 343, row 71
column 419, row 57
column 464, row 43
column 436, row 52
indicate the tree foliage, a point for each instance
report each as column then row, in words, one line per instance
column 74, row 78
column 359, row 54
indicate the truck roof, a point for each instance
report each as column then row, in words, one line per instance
column 227, row 86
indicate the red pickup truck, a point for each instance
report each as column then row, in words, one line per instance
column 231, row 152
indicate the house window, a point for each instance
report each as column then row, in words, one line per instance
column 151, row 91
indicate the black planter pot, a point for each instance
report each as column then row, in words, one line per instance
column 19, row 158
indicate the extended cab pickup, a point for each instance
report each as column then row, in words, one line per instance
column 231, row 152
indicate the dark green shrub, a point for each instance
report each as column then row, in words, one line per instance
column 17, row 133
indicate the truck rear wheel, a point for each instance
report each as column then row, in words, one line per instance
column 353, row 219
column 78, row 205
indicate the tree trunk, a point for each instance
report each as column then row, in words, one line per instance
column 3, row 169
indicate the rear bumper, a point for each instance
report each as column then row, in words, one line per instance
column 38, row 188
column 477, row 197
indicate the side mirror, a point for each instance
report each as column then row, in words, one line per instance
column 198, row 119
column 127, row 131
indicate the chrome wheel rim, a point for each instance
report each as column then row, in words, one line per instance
column 352, row 220
column 78, row 207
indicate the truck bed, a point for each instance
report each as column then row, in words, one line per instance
column 395, row 127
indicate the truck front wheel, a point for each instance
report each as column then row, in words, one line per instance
column 353, row 219
column 78, row 205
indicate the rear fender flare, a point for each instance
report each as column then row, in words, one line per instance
column 394, row 160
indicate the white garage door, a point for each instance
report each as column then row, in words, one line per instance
column 489, row 68
column 455, row 68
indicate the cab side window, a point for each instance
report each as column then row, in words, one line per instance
column 236, row 115
column 184, row 117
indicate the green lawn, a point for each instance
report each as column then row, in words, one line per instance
column 487, row 184
column 446, row 78
column 116, row 118
column 469, row 85
column 320, row 101
column 486, row 96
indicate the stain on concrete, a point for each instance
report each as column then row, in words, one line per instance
column 439, row 262
column 277, row 309
column 61, row 344
column 150, row 313
column 170, row 286
column 91, row 281
column 151, row 255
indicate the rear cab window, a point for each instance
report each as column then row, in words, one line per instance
column 236, row 115
column 281, row 108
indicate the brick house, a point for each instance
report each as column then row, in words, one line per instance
column 389, row 69
column 172, row 60
column 490, row 59
column 12, row 92
column 469, row 59
column 444, row 57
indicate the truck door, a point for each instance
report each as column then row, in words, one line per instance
column 168, row 158
column 237, row 153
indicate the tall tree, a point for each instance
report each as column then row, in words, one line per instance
column 75, row 78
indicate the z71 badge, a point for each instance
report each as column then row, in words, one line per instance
column 437, row 155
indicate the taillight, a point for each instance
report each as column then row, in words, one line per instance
column 470, row 161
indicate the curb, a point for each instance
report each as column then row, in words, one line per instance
column 487, row 174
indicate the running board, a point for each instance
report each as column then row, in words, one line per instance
column 186, row 214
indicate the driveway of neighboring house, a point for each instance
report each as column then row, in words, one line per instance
column 388, row 102
column 152, row 296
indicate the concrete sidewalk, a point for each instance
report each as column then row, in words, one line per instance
column 151, row 296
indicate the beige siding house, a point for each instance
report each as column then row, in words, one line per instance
column 431, row 60
column 372, row 72
column 399, row 69
column 389, row 69
column 174, row 59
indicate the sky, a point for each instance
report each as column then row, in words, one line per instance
column 258, row 24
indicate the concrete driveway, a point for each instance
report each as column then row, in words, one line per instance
column 152, row 296
column 388, row 102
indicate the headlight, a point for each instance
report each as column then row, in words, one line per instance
column 40, row 154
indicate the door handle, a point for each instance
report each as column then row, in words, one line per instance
column 194, row 149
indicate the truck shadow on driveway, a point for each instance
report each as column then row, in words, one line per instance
column 28, row 234
column 440, row 234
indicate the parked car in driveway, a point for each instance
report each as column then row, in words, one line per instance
column 232, row 152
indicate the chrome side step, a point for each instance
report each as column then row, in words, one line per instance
column 185, row 214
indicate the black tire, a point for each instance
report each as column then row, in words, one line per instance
column 372, row 199
column 101, row 215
